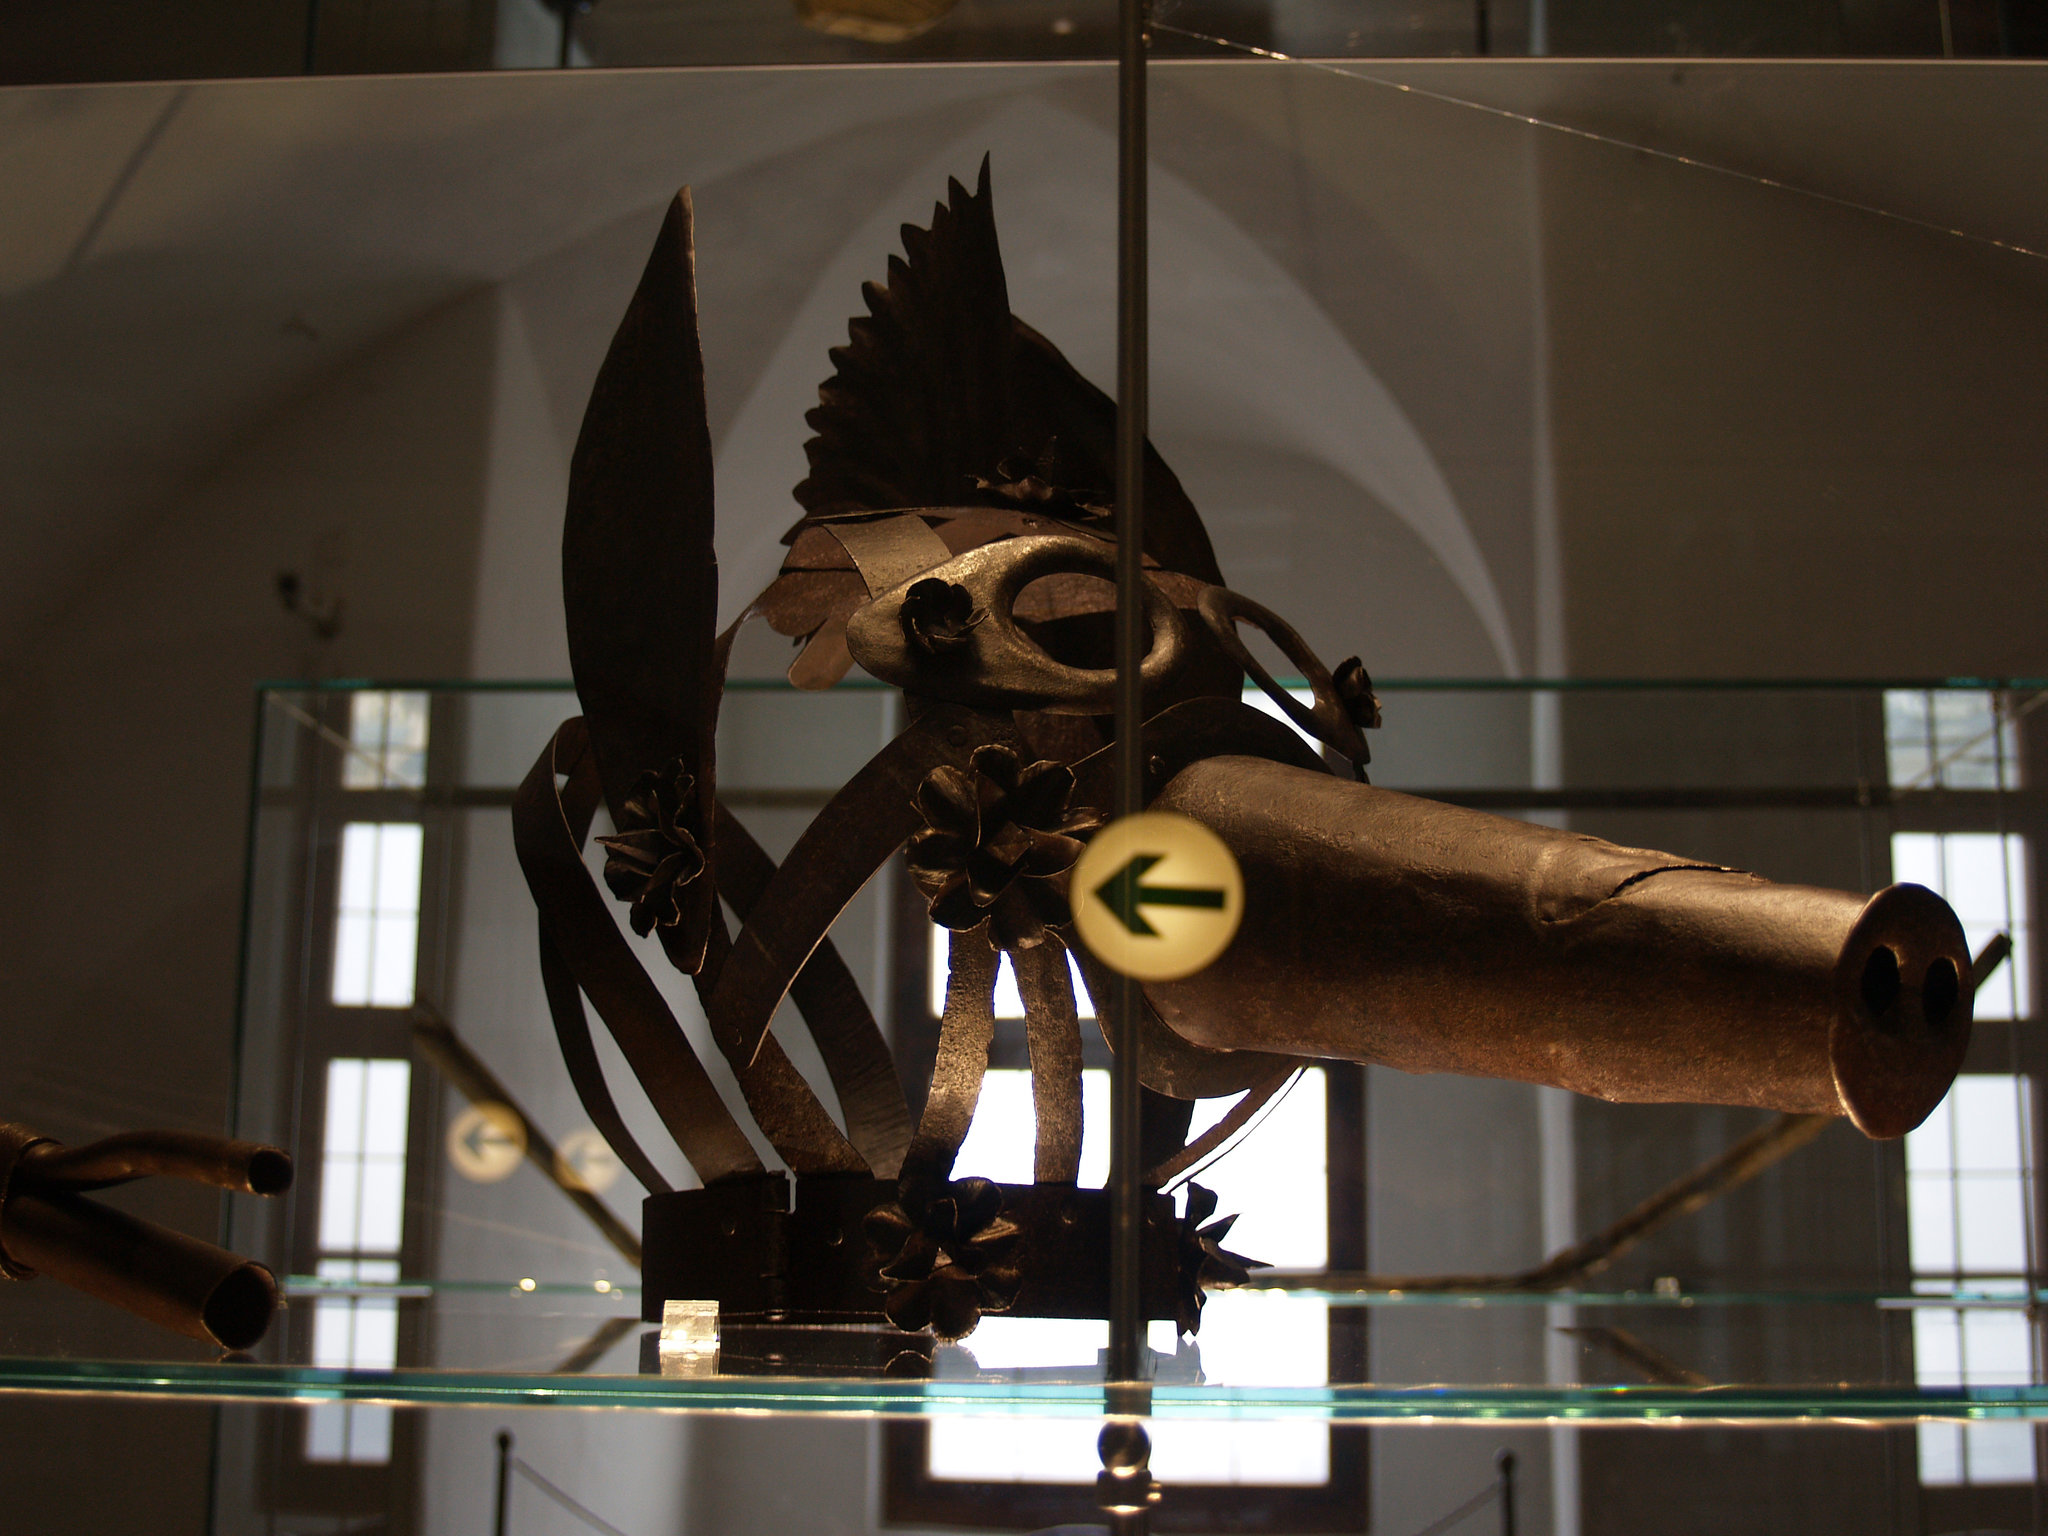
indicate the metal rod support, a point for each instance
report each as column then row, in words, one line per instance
column 1126, row 1322
column 502, row 1508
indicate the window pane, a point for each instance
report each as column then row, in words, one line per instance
column 340, row 1202
column 362, row 1163
column 1987, row 1122
column 1998, row 1453
column 327, row 1432
column 1991, row 1224
column 345, row 1087
column 382, row 1216
column 1274, row 1180
column 1941, row 1455
column 1983, row 875
column 376, row 1337
column 399, row 844
column 1997, row 1347
column 369, row 1434
column 376, row 926
column 387, row 1097
column 1937, row 1347
column 1014, row 1450
column 333, row 1331
column 394, row 954
column 1295, row 1455
column 1928, row 1148
column 1931, row 1224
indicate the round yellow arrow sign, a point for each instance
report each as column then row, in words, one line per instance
column 486, row 1142
column 1157, row 896
column 586, row 1161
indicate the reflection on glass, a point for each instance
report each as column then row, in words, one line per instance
column 1948, row 738
column 1967, row 1205
column 387, row 736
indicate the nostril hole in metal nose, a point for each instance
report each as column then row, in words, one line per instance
column 1881, row 984
column 1940, row 993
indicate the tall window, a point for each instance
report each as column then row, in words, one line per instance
column 1970, row 1194
column 361, row 1226
column 377, row 914
column 358, row 1228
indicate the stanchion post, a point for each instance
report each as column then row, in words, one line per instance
column 1126, row 1487
column 502, row 1508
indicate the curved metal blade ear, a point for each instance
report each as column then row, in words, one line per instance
column 939, row 386
column 640, row 586
column 918, row 403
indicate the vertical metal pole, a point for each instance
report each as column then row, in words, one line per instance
column 1125, row 1486
column 503, row 1506
column 1126, row 1320
column 1505, row 1464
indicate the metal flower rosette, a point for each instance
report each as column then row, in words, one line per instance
column 955, row 543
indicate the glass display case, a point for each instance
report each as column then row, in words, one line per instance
column 1423, row 395
column 449, row 1245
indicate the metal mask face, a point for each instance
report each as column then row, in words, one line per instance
column 956, row 544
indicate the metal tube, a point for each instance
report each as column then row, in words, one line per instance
column 164, row 1277
column 1126, row 1310
column 244, row 1166
column 1385, row 928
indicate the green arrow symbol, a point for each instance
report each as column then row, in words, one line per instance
column 1125, row 891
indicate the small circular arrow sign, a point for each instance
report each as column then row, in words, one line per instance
column 486, row 1142
column 1157, row 896
column 585, row 1160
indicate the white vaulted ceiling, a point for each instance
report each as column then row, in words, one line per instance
column 179, row 262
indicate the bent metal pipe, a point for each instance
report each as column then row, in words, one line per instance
column 1383, row 928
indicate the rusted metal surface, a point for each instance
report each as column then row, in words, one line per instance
column 177, row 1282
column 1383, row 928
column 959, row 531
column 986, row 660
column 639, row 575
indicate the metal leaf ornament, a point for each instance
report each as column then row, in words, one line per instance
column 653, row 854
column 997, row 838
column 1039, row 485
column 944, row 1258
column 1204, row 1261
column 1353, row 685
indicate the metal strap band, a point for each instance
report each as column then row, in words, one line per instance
column 1052, row 1031
column 857, row 1058
column 965, row 1032
column 890, row 550
column 865, row 823
column 777, row 1095
column 14, row 1140
column 548, row 828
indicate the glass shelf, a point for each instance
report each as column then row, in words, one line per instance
column 1793, row 1299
